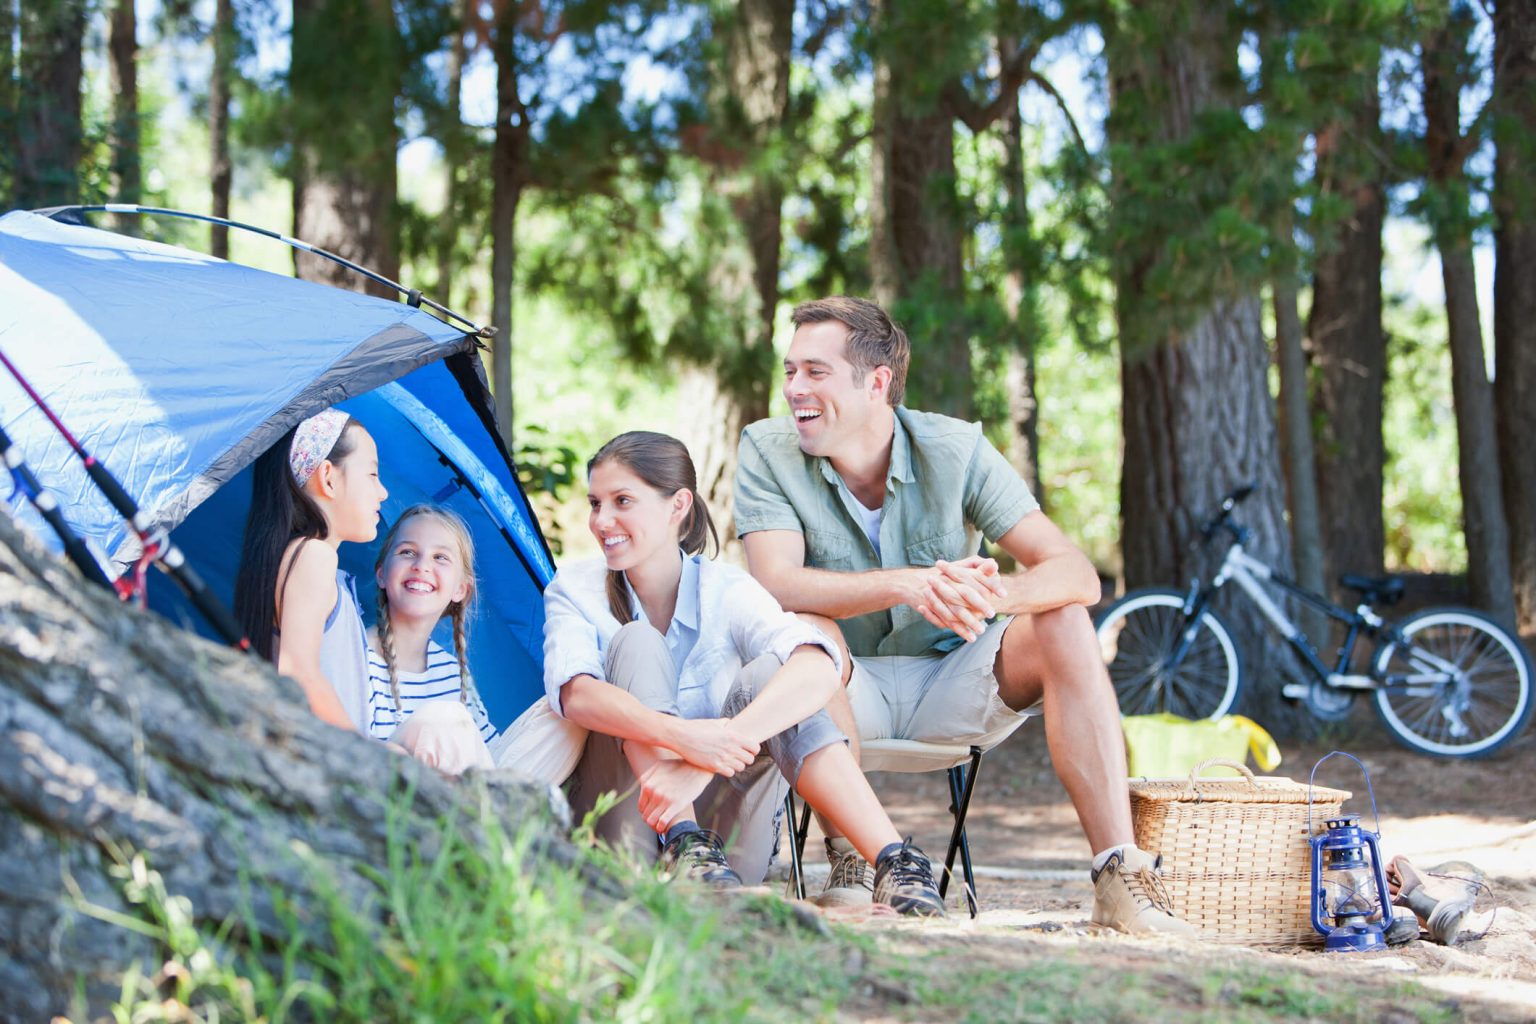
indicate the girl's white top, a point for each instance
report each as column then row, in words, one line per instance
column 439, row 682
column 723, row 620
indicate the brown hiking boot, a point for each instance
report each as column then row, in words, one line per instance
column 848, row 883
column 1128, row 895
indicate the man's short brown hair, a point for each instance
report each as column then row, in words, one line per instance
column 874, row 339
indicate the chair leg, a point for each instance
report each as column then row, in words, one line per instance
column 796, row 870
column 962, row 783
column 797, row 833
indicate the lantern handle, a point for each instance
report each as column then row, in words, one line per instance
column 1368, row 788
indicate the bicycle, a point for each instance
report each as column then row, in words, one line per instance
column 1447, row 681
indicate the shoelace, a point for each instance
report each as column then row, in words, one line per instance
column 703, row 849
column 908, row 867
column 848, row 872
column 1147, row 886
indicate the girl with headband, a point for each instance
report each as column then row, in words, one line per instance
column 315, row 488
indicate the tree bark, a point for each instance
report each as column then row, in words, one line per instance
column 750, row 109
column 1020, row 298
column 1348, row 343
column 344, row 76
column 220, row 169
column 8, row 24
column 127, row 176
column 1197, row 414
column 1300, row 454
column 923, row 232
column 509, row 174
column 452, row 138
column 1514, row 285
column 1488, row 577
column 120, row 734
column 884, row 268
column 48, row 128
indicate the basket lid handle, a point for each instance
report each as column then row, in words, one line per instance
column 1194, row 773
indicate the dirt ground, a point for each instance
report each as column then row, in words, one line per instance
column 1031, row 861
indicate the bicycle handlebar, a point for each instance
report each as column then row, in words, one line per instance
column 1236, row 497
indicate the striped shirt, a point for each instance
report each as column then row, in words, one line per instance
column 439, row 682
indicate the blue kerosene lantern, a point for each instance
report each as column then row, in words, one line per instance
column 1350, row 907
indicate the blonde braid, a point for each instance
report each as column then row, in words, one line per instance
column 387, row 648
column 461, row 649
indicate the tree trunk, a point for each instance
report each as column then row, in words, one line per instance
column 8, row 143
column 884, row 268
column 48, row 129
column 917, row 182
column 1488, row 580
column 127, row 179
column 1300, row 456
column 758, row 52
column 750, row 107
column 509, row 169
column 220, row 170
column 121, row 734
column 452, row 139
column 1020, row 299
column 344, row 76
column 1347, row 339
column 1197, row 414
column 1514, row 285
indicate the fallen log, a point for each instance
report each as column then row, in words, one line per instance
column 120, row 734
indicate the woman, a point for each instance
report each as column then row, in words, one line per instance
column 694, row 682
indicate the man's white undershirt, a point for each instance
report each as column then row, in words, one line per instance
column 871, row 518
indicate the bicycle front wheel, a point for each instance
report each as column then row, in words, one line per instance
column 1459, row 687
column 1141, row 637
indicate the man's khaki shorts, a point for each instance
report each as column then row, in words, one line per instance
column 936, row 698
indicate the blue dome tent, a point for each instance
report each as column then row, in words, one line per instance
column 176, row 370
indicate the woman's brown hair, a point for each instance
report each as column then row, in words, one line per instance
column 662, row 463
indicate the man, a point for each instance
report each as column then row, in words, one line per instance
column 859, row 510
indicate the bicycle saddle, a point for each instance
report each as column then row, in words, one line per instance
column 1382, row 589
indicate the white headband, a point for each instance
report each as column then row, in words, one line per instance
column 313, row 441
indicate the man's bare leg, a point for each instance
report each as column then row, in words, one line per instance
column 1054, row 655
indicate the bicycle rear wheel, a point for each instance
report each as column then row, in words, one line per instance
column 1469, row 712
column 1139, row 637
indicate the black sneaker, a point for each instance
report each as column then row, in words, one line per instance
column 904, row 882
column 700, row 855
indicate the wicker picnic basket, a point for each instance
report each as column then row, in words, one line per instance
column 1236, row 861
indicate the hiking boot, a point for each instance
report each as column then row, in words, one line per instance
column 699, row 855
column 848, row 883
column 1128, row 895
column 904, row 882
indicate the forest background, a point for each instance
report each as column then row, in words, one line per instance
column 1158, row 249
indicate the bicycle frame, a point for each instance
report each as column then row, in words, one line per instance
column 1246, row 571
column 1249, row 573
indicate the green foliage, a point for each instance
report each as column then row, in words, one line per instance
column 485, row 932
column 1420, row 481
column 493, row 930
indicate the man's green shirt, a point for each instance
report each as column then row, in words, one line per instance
column 947, row 487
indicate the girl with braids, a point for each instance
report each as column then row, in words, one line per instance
column 698, row 687
column 315, row 488
column 420, row 696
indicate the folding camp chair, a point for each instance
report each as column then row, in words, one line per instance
column 961, row 762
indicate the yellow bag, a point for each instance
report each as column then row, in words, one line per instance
column 1167, row 746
